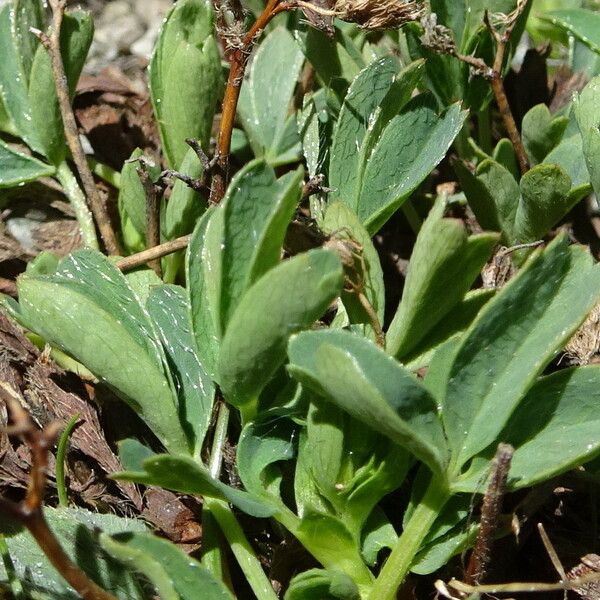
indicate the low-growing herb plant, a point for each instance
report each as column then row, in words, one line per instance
column 247, row 307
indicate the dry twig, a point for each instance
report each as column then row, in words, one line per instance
column 237, row 54
column 29, row 512
column 152, row 213
column 490, row 513
column 52, row 44
column 439, row 39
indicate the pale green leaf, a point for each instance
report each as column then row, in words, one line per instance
column 371, row 386
column 17, row 168
column 289, row 298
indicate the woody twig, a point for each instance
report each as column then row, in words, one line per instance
column 52, row 44
column 237, row 51
column 29, row 512
column 501, row 27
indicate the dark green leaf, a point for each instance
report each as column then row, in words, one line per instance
column 514, row 337
column 410, row 147
column 377, row 91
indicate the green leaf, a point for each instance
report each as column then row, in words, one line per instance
column 76, row 530
column 339, row 220
column 17, row 168
column 132, row 197
column 132, row 454
column 583, row 24
column 203, row 274
column 234, row 246
column 524, row 211
column 377, row 91
column 456, row 321
column 169, row 310
column 262, row 444
column 88, row 310
column 371, row 386
column 545, row 199
column 492, row 193
column 569, row 155
column 257, row 211
column 541, row 132
column 184, row 474
column 511, row 341
column 267, row 92
column 27, row 14
column 289, row 298
column 444, row 264
column 554, row 429
column 438, row 553
column 378, row 534
column 352, row 468
column 185, row 205
column 588, row 118
column 318, row 584
column 185, row 78
column 17, row 51
column 75, row 39
column 332, row 544
column 410, row 147
column 336, row 61
column 175, row 575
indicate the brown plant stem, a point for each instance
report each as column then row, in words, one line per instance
column 238, row 58
column 152, row 214
column 490, row 514
column 52, row 44
column 445, row 44
column 29, row 512
column 141, row 258
column 497, row 83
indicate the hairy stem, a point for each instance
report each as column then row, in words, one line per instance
column 77, row 199
column 403, row 554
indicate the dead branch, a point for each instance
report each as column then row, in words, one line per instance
column 29, row 512
column 52, row 44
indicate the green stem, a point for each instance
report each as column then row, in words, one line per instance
column 80, row 207
column 61, row 455
column 212, row 556
column 403, row 554
column 484, row 130
column 106, row 173
column 412, row 216
column 241, row 548
column 11, row 573
column 223, row 515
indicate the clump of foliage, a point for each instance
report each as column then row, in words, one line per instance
column 286, row 341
